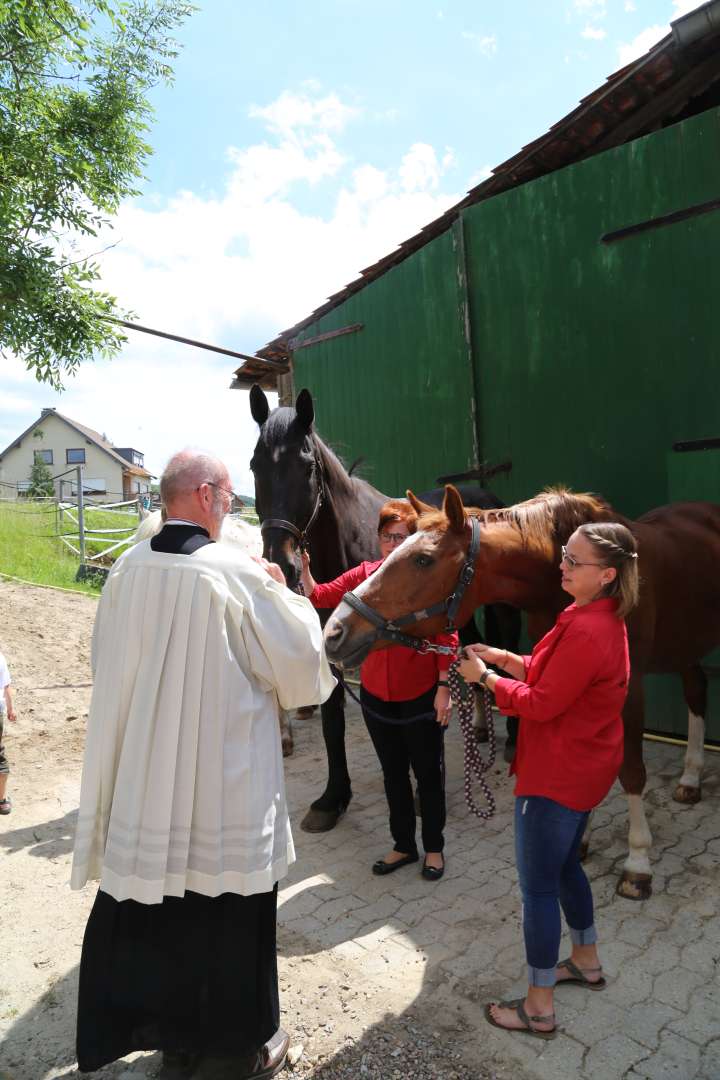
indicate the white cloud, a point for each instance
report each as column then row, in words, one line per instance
column 593, row 33
column 483, row 173
column 232, row 269
column 650, row 36
column 486, row 44
column 639, row 45
column 294, row 113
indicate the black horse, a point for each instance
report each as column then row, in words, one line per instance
column 305, row 497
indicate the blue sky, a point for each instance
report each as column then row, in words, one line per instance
column 299, row 143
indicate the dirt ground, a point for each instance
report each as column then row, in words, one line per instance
column 342, row 1024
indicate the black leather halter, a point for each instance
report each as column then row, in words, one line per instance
column 301, row 535
column 390, row 629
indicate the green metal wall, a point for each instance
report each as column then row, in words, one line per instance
column 398, row 392
column 588, row 360
column 592, row 359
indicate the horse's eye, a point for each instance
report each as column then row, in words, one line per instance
column 424, row 560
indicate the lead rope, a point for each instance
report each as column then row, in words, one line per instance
column 474, row 764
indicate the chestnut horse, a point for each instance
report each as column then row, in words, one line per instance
column 304, row 496
column 676, row 623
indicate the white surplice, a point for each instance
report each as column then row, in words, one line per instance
column 183, row 784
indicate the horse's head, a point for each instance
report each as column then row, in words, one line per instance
column 421, row 572
column 288, row 479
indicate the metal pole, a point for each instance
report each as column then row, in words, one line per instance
column 81, row 515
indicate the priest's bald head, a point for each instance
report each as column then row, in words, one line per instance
column 196, row 487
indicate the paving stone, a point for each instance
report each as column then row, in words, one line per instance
column 612, row 1056
column 710, row 1062
column 335, row 909
column 637, row 929
column 675, row 1059
column 595, row 1014
column 646, row 1021
column 702, row 1021
column 676, row 986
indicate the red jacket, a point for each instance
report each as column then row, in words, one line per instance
column 570, row 745
column 393, row 674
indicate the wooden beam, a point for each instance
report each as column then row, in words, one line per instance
column 295, row 345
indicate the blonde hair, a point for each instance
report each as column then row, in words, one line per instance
column 617, row 547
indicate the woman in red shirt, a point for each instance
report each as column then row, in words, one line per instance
column 406, row 706
column 569, row 696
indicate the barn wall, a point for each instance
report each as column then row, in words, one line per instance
column 398, row 392
column 591, row 358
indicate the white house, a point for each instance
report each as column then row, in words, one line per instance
column 110, row 473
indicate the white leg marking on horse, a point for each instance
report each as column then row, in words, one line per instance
column 639, row 837
column 695, row 753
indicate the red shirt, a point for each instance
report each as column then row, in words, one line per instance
column 393, row 674
column 570, row 745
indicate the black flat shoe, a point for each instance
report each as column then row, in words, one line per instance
column 433, row 873
column 381, row 867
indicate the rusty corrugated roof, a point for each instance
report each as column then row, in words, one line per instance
column 641, row 97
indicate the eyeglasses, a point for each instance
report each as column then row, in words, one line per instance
column 392, row 538
column 573, row 562
column 225, row 491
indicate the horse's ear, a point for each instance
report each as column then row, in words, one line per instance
column 418, row 506
column 259, row 406
column 305, row 409
column 454, row 509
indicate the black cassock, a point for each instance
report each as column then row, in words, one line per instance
column 195, row 973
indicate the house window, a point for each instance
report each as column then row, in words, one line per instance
column 138, row 459
column 75, row 457
column 44, row 455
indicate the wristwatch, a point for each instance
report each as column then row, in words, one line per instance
column 484, row 677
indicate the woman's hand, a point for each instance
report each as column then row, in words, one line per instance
column 308, row 581
column 471, row 666
column 487, row 654
column 442, row 705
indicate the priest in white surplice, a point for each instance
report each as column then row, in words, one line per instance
column 183, row 816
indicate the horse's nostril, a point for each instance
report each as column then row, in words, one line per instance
column 334, row 632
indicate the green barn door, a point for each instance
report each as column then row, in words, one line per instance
column 392, row 377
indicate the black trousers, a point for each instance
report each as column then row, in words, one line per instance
column 194, row 973
column 403, row 744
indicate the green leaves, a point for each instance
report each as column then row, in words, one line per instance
column 74, row 82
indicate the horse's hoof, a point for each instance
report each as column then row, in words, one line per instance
column 683, row 793
column 324, row 814
column 288, row 746
column 583, row 850
column 509, row 752
column 634, row 886
column 481, row 734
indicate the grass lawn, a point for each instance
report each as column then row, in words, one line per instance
column 30, row 548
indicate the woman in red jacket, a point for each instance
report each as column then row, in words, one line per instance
column 569, row 696
column 406, row 706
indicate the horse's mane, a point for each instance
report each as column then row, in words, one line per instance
column 544, row 521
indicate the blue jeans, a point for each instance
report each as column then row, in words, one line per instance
column 547, row 845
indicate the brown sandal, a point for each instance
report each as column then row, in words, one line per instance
column 578, row 976
column 527, row 1021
